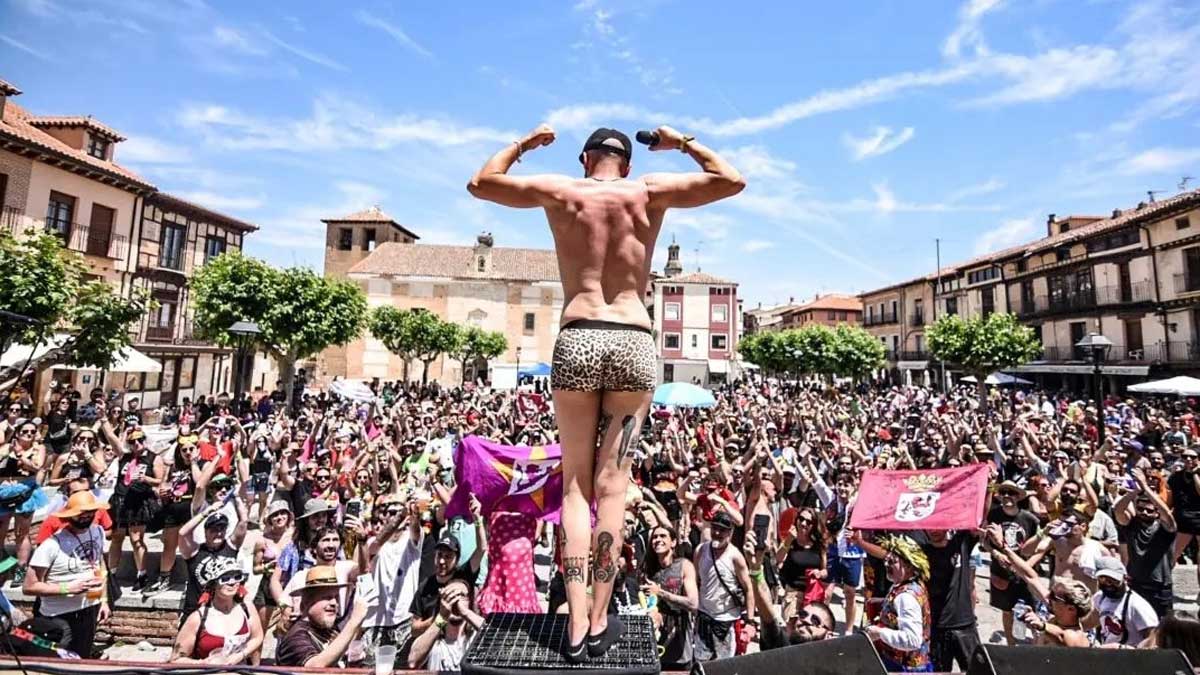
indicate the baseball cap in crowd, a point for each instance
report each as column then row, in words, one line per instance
column 722, row 519
column 1110, row 567
column 610, row 140
column 220, row 480
column 1133, row 445
column 217, row 521
column 8, row 564
column 449, row 541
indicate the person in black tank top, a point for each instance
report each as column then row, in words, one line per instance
column 135, row 502
column 672, row 580
column 178, row 496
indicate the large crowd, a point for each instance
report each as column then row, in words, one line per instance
column 319, row 525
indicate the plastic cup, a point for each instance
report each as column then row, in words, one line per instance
column 385, row 659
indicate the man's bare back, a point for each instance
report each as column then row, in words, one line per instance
column 604, row 237
column 605, row 363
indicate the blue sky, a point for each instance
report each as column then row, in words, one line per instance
column 866, row 130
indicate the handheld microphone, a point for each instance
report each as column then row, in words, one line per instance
column 648, row 138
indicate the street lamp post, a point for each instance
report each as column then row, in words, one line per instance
column 244, row 334
column 1096, row 346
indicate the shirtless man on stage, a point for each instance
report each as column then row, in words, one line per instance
column 605, row 359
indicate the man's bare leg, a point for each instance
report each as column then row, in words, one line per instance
column 578, row 414
column 624, row 412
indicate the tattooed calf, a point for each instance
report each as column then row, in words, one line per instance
column 629, row 437
column 604, row 569
column 573, row 569
column 602, row 428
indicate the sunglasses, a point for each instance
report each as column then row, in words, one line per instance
column 27, row 432
column 808, row 619
column 1056, row 597
column 15, row 409
column 1191, row 456
column 323, row 476
column 804, row 521
column 393, row 512
column 231, row 578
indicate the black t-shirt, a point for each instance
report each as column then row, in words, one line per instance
column 951, row 580
column 1185, row 500
column 1017, row 529
column 425, row 602
column 1151, row 548
column 191, row 595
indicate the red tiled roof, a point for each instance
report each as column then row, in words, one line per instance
column 832, row 301
column 9, row 89
column 372, row 214
column 171, row 202
column 697, row 278
column 435, row 260
column 16, row 127
column 75, row 121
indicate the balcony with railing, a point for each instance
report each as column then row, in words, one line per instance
column 1160, row 352
column 1117, row 294
column 914, row 355
column 75, row 236
column 880, row 319
column 917, row 318
column 1187, row 283
column 11, row 220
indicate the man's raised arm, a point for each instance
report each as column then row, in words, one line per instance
column 493, row 183
column 686, row 190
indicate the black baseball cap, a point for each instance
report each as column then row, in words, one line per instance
column 449, row 541
column 602, row 139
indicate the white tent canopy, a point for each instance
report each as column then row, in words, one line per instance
column 18, row 355
column 999, row 379
column 1178, row 386
column 129, row 360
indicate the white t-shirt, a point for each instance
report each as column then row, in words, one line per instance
column 396, row 575
column 447, row 656
column 67, row 558
column 1115, row 618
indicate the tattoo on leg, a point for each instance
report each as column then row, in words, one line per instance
column 604, row 569
column 602, row 428
column 628, row 437
column 573, row 569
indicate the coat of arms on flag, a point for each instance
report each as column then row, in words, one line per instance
column 920, row 502
column 930, row 499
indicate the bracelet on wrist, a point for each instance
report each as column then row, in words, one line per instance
column 520, row 150
column 62, row 588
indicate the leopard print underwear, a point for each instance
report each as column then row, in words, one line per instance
column 591, row 355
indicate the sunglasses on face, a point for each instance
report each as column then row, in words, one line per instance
column 231, row 578
column 804, row 521
column 808, row 619
column 323, row 476
column 27, row 432
column 1189, row 457
column 1057, row 597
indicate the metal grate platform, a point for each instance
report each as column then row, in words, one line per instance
column 538, row 641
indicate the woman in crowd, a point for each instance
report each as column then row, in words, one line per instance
column 224, row 630
column 802, row 560
column 276, row 537
column 135, row 501
column 21, row 463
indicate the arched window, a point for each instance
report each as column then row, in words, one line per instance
column 482, row 264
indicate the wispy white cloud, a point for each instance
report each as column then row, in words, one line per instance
column 881, row 141
column 1010, row 232
column 756, row 245
column 335, row 124
column 305, row 54
column 1158, row 160
column 150, row 150
column 232, row 39
column 396, row 32
column 219, row 201
column 658, row 76
column 21, row 46
column 706, row 225
column 967, row 33
column 977, row 190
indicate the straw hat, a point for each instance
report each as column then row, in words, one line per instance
column 316, row 578
column 81, row 502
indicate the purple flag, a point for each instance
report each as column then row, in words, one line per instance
column 507, row 477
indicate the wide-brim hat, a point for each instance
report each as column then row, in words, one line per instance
column 277, row 506
column 314, row 506
column 81, row 502
column 1010, row 486
column 316, row 578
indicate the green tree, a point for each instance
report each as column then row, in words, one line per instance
column 415, row 334
column 856, row 353
column 982, row 345
column 811, row 349
column 479, row 344
column 298, row 311
column 42, row 280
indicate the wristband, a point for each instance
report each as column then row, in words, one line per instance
column 757, row 575
column 683, row 143
column 520, row 150
column 62, row 589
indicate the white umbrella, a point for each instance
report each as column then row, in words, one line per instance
column 999, row 379
column 1178, row 386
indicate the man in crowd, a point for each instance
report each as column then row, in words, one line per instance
column 724, row 587
column 901, row 632
column 314, row 641
column 1019, row 526
column 1149, row 536
column 1122, row 617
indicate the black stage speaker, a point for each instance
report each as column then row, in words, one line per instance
column 1031, row 660
column 521, row 642
column 851, row 655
